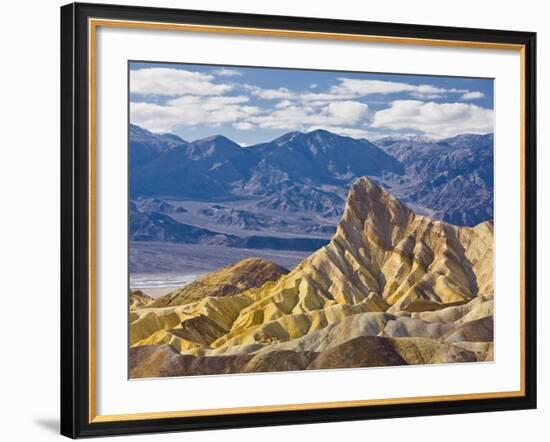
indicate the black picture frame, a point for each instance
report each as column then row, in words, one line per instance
column 75, row 221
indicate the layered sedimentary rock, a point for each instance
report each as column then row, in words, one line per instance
column 363, row 351
column 413, row 262
column 230, row 280
column 391, row 288
column 139, row 299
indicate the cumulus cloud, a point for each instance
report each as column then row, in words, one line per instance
column 323, row 97
column 167, row 99
column 191, row 110
column 434, row 119
column 422, row 96
column 353, row 88
column 225, row 72
column 243, row 125
column 289, row 118
column 207, row 102
column 270, row 94
column 297, row 117
column 173, row 82
column 474, row 95
column 283, row 104
column 348, row 111
column 357, row 87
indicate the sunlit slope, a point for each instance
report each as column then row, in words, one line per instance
column 139, row 299
column 230, row 280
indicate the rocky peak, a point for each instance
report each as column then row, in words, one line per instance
column 242, row 275
column 374, row 211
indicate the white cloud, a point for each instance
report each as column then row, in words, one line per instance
column 355, row 87
column 290, row 118
column 283, row 104
column 225, row 72
column 474, row 95
column 347, row 111
column 190, row 99
column 422, row 96
column 434, row 119
column 243, row 125
column 281, row 93
column 297, row 117
column 207, row 102
column 351, row 88
column 323, row 97
column 172, row 82
column 191, row 111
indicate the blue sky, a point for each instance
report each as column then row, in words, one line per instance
column 252, row 105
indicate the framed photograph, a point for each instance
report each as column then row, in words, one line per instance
column 274, row 220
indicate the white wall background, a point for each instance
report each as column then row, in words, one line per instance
column 29, row 219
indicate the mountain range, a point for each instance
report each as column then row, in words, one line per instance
column 450, row 179
column 155, row 226
column 392, row 287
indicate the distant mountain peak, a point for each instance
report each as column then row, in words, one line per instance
column 408, row 138
column 449, row 179
column 319, row 134
column 214, row 146
column 174, row 137
column 322, row 132
column 146, row 145
column 422, row 139
column 287, row 137
column 215, row 138
column 466, row 137
column 472, row 135
column 469, row 138
column 138, row 131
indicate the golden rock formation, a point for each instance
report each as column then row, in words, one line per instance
column 413, row 262
column 139, row 299
column 230, row 280
column 395, row 286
